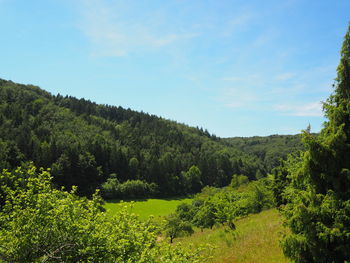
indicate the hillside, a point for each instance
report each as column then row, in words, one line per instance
column 269, row 149
column 86, row 144
column 256, row 239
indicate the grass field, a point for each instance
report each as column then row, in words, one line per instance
column 256, row 239
column 147, row 207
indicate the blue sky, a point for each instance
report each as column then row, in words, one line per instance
column 236, row 68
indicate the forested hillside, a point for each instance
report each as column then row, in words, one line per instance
column 269, row 149
column 127, row 152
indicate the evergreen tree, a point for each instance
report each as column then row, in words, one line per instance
column 318, row 197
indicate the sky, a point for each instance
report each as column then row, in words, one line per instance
column 236, row 68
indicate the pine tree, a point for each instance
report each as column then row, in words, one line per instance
column 318, row 197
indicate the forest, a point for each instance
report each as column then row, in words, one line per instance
column 126, row 153
column 62, row 156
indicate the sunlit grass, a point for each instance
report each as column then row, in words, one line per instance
column 147, row 207
column 256, row 239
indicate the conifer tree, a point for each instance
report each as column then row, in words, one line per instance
column 318, row 197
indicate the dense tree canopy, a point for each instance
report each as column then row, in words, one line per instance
column 269, row 149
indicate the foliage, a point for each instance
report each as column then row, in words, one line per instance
column 270, row 149
column 238, row 180
column 205, row 216
column 185, row 212
column 112, row 189
column 223, row 206
column 175, row 227
column 192, row 179
column 40, row 223
column 318, row 196
column 281, row 179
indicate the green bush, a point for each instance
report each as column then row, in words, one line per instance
column 130, row 189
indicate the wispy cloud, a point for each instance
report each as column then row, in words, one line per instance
column 112, row 35
column 312, row 109
column 286, row 93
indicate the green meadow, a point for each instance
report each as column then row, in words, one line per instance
column 147, row 207
column 256, row 239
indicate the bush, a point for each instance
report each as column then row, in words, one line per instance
column 130, row 189
column 223, row 206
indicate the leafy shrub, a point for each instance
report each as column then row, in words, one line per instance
column 112, row 189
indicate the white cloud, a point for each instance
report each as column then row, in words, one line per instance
column 113, row 35
column 312, row 109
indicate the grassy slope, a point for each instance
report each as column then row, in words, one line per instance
column 148, row 207
column 255, row 240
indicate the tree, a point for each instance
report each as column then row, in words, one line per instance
column 281, row 179
column 185, row 212
column 318, row 197
column 193, row 177
column 134, row 165
column 238, row 180
column 175, row 227
column 205, row 216
column 110, row 187
column 261, row 197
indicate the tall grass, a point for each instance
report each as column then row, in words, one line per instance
column 255, row 240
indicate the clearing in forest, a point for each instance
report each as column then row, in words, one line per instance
column 147, row 207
